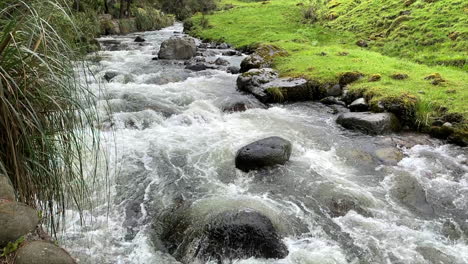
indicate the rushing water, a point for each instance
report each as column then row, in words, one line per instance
column 170, row 141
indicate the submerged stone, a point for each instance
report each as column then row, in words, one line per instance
column 389, row 156
column 139, row 39
column 263, row 153
column 411, row 193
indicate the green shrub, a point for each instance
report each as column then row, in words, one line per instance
column 46, row 114
column 151, row 19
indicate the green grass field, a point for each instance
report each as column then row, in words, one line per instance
column 323, row 51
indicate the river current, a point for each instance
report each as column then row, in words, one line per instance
column 343, row 197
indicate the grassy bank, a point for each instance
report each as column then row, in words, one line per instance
column 324, row 50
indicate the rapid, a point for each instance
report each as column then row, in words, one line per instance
column 343, row 197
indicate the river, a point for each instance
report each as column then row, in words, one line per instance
column 335, row 201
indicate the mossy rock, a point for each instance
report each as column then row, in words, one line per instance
column 270, row 52
column 399, row 76
column 350, row 77
column 375, row 78
column 42, row 252
column 459, row 137
column 404, row 107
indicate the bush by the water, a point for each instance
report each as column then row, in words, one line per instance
column 46, row 114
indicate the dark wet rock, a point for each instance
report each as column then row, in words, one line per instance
column 231, row 53
column 263, row 153
column 411, row 193
column 341, row 206
column 459, row 137
column 221, row 62
column 370, row 123
column 359, row 105
column 132, row 215
column 338, row 108
column 362, row 43
column 178, row 48
column 454, row 118
column 6, row 189
column 442, row 132
column 197, row 67
column 42, row 252
column 399, row 76
column 204, row 45
column 155, row 58
column 139, row 39
column 233, row 69
column 16, row 220
column 435, row 256
column 197, row 232
column 389, row 156
column 333, row 90
column 240, row 235
column 349, row 77
column 110, row 75
column 253, row 61
column 241, row 105
column 253, row 80
column 451, row 230
column 330, row 100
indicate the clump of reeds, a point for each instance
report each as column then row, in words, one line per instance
column 47, row 141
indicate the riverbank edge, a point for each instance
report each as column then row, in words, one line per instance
column 451, row 127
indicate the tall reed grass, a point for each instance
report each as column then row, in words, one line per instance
column 47, row 141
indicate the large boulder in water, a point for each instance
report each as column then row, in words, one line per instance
column 178, row 48
column 16, row 220
column 241, row 234
column 41, row 252
column 370, row 123
column 263, row 153
column 199, row 232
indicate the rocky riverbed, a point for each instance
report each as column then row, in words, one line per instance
column 210, row 166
